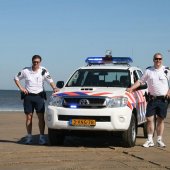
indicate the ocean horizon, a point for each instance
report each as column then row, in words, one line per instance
column 10, row 100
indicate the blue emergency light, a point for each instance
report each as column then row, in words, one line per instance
column 105, row 60
column 94, row 60
column 73, row 106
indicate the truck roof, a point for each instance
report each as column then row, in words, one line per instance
column 122, row 67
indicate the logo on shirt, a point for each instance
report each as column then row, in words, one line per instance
column 19, row 74
column 48, row 77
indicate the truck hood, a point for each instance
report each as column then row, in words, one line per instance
column 91, row 91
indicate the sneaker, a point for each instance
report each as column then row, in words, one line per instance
column 160, row 144
column 148, row 144
column 42, row 140
column 28, row 140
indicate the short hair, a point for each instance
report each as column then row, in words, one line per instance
column 36, row 56
column 154, row 56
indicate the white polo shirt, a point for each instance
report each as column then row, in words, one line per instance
column 158, row 80
column 34, row 80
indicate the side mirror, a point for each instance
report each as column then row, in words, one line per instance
column 60, row 84
column 143, row 86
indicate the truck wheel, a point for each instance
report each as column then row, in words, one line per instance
column 129, row 136
column 55, row 137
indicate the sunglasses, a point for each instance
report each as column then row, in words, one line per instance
column 36, row 62
column 156, row 59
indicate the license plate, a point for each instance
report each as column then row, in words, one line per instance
column 82, row 122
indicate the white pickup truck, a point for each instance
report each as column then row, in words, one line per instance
column 94, row 99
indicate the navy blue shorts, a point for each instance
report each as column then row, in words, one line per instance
column 32, row 103
column 157, row 107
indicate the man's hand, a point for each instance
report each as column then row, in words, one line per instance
column 130, row 90
column 24, row 90
column 168, row 94
column 133, row 87
column 56, row 89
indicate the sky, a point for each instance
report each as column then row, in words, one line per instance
column 65, row 32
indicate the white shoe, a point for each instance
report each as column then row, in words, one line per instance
column 148, row 144
column 28, row 140
column 42, row 140
column 160, row 144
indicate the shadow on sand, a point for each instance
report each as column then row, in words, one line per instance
column 74, row 141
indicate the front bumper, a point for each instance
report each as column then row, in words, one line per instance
column 119, row 118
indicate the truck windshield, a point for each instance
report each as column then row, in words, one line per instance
column 100, row 78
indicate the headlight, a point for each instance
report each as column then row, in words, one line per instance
column 116, row 102
column 55, row 101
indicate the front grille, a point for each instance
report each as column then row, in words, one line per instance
column 97, row 118
column 84, row 102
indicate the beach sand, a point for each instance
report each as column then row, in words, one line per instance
column 76, row 153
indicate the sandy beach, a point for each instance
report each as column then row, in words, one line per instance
column 76, row 153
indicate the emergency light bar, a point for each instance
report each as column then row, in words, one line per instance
column 106, row 60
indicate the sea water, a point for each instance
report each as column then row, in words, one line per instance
column 10, row 100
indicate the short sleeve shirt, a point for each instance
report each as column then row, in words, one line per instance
column 158, row 80
column 34, row 80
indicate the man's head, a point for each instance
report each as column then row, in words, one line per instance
column 36, row 60
column 157, row 59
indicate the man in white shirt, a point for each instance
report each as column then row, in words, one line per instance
column 34, row 95
column 158, row 81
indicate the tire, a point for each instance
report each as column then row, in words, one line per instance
column 129, row 136
column 55, row 137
